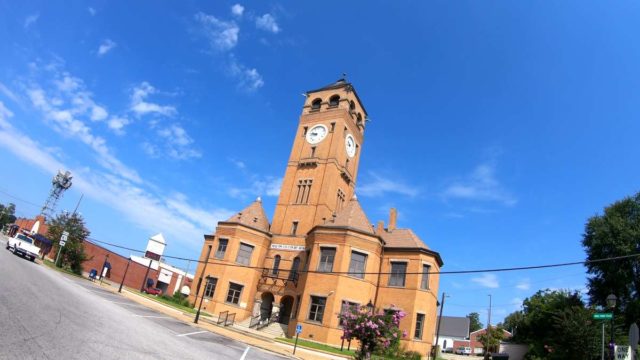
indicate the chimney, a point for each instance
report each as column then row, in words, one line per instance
column 380, row 227
column 393, row 218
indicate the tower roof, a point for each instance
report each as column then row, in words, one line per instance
column 352, row 216
column 252, row 216
column 402, row 238
column 158, row 238
column 340, row 83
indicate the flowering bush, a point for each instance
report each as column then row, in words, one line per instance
column 373, row 330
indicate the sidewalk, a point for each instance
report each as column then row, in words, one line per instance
column 246, row 337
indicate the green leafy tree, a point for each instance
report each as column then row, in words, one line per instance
column 615, row 233
column 474, row 322
column 7, row 214
column 556, row 325
column 490, row 340
column 72, row 254
column 512, row 322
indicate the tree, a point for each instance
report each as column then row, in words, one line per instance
column 512, row 322
column 556, row 325
column 474, row 322
column 375, row 331
column 491, row 340
column 72, row 254
column 615, row 233
column 7, row 214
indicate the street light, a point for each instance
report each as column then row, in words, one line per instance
column 611, row 303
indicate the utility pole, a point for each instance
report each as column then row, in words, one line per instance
column 206, row 261
column 125, row 275
column 438, row 326
column 144, row 281
column 486, row 356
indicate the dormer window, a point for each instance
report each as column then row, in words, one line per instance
column 334, row 100
column 315, row 104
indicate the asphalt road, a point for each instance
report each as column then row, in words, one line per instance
column 47, row 315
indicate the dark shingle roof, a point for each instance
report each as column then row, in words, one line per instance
column 454, row 326
column 352, row 216
column 252, row 216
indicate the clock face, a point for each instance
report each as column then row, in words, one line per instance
column 316, row 134
column 350, row 145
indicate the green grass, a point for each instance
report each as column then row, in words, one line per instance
column 172, row 304
column 317, row 346
column 52, row 265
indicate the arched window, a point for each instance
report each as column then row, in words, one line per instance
column 294, row 268
column 352, row 105
column 334, row 100
column 359, row 119
column 315, row 104
column 276, row 264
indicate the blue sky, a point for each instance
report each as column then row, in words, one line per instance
column 497, row 128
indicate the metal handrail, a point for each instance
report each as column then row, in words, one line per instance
column 273, row 318
column 233, row 318
column 255, row 320
column 281, row 274
column 226, row 315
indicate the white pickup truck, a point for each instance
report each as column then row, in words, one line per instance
column 23, row 245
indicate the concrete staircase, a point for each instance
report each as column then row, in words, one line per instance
column 275, row 329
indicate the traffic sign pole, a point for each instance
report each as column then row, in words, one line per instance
column 298, row 331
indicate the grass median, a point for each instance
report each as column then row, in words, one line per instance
column 171, row 303
column 317, row 346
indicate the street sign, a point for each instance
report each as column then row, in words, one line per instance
column 603, row 316
column 62, row 242
column 65, row 236
column 299, row 329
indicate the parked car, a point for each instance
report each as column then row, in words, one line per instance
column 23, row 245
column 463, row 350
column 152, row 291
column 448, row 350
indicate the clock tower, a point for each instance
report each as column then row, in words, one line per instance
column 323, row 166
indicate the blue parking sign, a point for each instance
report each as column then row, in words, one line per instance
column 298, row 329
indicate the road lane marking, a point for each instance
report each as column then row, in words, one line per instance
column 124, row 303
column 244, row 354
column 193, row 333
column 152, row 316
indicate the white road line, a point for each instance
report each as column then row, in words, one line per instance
column 152, row 316
column 124, row 303
column 104, row 293
column 244, row 354
column 192, row 333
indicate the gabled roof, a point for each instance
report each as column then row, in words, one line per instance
column 352, row 216
column 402, row 238
column 454, row 326
column 252, row 216
column 158, row 238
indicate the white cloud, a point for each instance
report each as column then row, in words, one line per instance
column 30, row 20
column 117, row 124
column 238, row 163
column 106, row 46
column 480, row 185
column 487, row 280
column 175, row 216
column 178, row 142
column 249, row 79
column 378, row 185
column 9, row 94
column 98, row 113
column 237, row 10
column 268, row 23
column 524, row 284
column 140, row 105
column 222, row 35
column 91, row 11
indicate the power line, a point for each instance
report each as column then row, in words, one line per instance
column 19, row 199
column 456, row 272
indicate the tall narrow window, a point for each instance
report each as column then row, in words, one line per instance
column 294, row 268
column 276, row 264
column 244, row 254
column 313, row 151
column 315, row 105
column 398, row 273
column 424, row 283
column 419, row 325
column 233, row 296
column 357, row 264
column 340, row 200
column 222, row 248
column 327, row 255
column 304, row 189
column 294, row 227
column 316, row 309
column 210, row 288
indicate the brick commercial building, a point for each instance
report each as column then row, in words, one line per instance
column 320, row 253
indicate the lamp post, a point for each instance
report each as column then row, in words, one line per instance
column 611, row 303
column 195, row 321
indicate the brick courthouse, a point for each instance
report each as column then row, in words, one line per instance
column 321, row 253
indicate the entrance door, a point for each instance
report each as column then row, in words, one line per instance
column 286, row 304
column 266, row 306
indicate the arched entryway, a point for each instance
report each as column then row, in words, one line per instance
column 266, row 305
column 286, row 304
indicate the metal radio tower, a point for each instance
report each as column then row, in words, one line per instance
column 60, row 183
